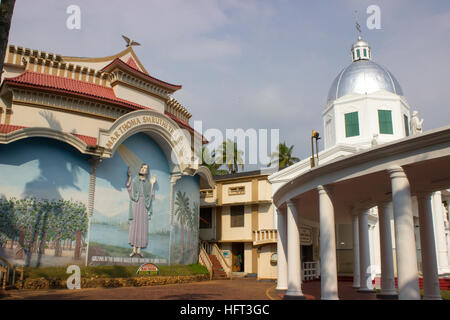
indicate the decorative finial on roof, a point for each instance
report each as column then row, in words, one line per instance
column 357, row 25
column 130, row 42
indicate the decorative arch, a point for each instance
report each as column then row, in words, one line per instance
column 41, row 132
column 167, row 134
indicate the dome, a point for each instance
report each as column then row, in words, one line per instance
column 363, row 77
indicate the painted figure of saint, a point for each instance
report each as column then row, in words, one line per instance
column 141, row 193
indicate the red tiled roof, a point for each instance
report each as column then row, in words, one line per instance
column 77, row 87
column 7, row 128
column 133, row 64
column 185, row 124
column 90, row 141
column 143, row 75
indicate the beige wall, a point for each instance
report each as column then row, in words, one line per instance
column 248, row 248
column 265, row 216
column 28, row 116
column 139, row 97
column 247, row 197
column 236, row 233
column 264, row 190
column 266, row 269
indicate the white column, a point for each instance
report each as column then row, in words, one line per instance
column 95, row 161
column 428, row 249
column 387, row 257
column 439, row 230
column 328, row 266
column 407, row 272
column 365, row 283
column 294, row 263
column 173, row 180
column 282, row 267
column 356, row 276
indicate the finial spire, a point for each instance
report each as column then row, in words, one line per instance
column 357, row 25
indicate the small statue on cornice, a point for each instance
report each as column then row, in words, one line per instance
column 375, row 140
column 416, row 124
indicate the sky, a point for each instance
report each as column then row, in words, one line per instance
column 256, row 63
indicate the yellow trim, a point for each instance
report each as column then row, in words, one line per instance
column 8, row 113
column 110, row 58
column 10, row 57
column 228, row 204
column 242, row 179
column 63, row 109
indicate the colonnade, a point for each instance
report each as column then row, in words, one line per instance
column 400, row 209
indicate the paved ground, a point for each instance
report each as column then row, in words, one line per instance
column 237, row 289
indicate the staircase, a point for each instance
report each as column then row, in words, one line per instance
column 218, row 272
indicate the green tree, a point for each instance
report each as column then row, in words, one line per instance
column 208, row 160
column 6, row 12
column 283, row 156
column 229, row 155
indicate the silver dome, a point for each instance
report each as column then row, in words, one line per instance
column 362, row 77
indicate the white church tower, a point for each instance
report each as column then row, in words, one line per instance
column 365, row 103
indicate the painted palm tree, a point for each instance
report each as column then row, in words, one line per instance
column 6, row 12
column 181, row 212
column 283, row 156
column 208, row 160
column 229, row 155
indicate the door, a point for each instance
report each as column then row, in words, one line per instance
column 237, row 252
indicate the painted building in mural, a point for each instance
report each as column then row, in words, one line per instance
column 95, row 163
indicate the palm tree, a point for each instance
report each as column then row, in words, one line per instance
column 207, row 160
column 283, row 156
column 6, row 12
column 230, row 156
column 181, row 211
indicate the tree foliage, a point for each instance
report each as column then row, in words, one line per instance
column 56, row 218
column 283, row 156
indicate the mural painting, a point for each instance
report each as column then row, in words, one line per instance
column 43, row 199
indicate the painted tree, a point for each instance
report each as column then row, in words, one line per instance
column 181, row 212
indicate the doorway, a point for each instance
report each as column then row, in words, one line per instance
column 306, row 253
column 237, row 253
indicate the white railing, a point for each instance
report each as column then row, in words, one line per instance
column 204, row 260
column 215, row 250
column 265, row 236
column 311, row 270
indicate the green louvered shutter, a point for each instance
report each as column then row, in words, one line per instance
column 385, row 121
column 351, row 124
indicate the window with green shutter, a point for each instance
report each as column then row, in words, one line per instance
column 406, row 121
column 351, row 124
column 385, row 121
